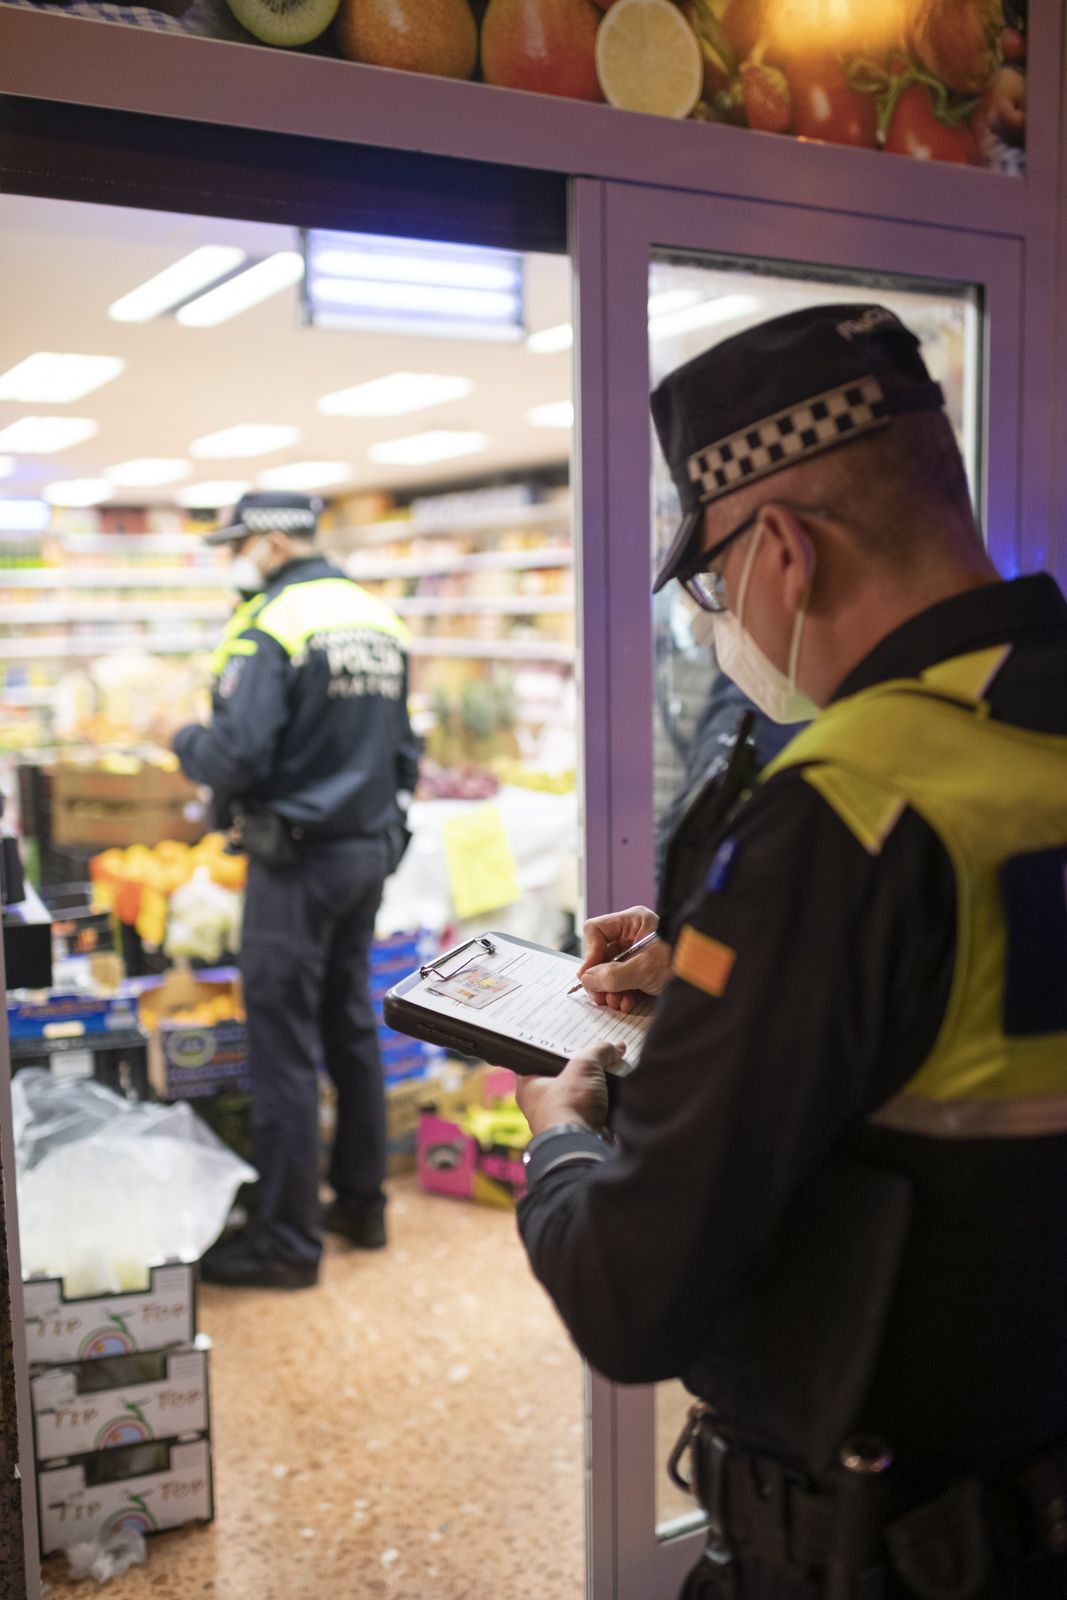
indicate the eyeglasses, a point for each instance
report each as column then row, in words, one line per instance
column 708, row 588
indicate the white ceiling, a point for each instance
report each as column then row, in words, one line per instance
column 63, row 264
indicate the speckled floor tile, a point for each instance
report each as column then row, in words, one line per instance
column 410, row 1429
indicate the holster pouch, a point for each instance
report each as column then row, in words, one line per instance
column 941, row 1550
column 397, row 839
column 267, row 838
column 708, row 809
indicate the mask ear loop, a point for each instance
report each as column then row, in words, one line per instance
column 746, row 573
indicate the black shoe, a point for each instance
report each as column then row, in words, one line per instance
column 363, row 1226
column 238, row 1264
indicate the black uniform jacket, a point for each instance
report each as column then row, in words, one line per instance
column 841, row 980
column 307, row 733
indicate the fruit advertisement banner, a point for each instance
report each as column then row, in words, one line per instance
column 938, row 80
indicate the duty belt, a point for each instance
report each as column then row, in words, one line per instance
column 850, row 1531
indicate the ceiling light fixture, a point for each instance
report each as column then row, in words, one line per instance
column 305, row 475
column 418, row 448
column 210, row 496
column 24, row 516
column 549, row 340
column 394, row 395
column 78, row 492
column 556, row 414
column 245, row 439
column 247, row 289
column 148, row 472
column 177, row 283
column 375, row 283
column 50, row 379
column 41, row 436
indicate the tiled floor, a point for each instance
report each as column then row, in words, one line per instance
column 411, row 1429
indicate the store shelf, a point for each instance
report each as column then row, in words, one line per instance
column 494, row 649
column 485, row 561
column 105, row 610
column 157, row 544
column 543, row 514
column 516, row 605
column 27, row 695
column 161, row 577
column 102, row 645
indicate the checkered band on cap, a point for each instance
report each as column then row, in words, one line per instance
column 258, row 520
column 826, row 419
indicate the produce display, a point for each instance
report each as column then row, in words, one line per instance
column 940, row 80
column 137, row 883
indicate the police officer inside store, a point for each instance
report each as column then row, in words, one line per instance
column 833, row 1194
column 310, row 751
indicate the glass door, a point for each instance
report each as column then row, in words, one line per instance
column 684, row 272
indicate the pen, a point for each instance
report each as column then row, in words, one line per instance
column 635, row 949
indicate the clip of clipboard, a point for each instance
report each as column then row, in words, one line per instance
column 438, row 965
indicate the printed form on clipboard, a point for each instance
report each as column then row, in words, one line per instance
column 508, row 1002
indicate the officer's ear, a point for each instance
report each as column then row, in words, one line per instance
column 791, row 551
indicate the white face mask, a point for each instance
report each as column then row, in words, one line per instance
column 245, row 574
column 740, row 657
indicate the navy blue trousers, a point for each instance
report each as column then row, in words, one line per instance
column 305, row 967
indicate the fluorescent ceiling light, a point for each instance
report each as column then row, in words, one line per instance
column 467, row 272
column 210, row 496
column 177, row 283
column 24, row 516
column 7, row 466
column 549, row 340
column 395, row 395
column 305, row 475
column 247, row 289
column 246, row 439
column 659, row 305
column 78, row 492
column 412, row 286
column 148, row 472
column 469, row 305
column 705, row 314
column 54, row 379
column 40, row 436
column 418, row 448
column 557, row 414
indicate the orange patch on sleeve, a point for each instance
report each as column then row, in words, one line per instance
column 703, row 962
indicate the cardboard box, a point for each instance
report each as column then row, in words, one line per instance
column 150, row 1487
column 62, row 1014
column 453, row 1159
column 189, row 1060
column 91, row 806
column 59, row 1329
column 119, row 1400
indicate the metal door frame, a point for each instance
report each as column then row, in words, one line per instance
column 614, row 230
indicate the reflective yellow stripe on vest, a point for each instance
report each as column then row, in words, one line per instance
column 990, row 791
column 324, row 605
column 231, row 643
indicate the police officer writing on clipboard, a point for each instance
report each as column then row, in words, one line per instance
column 308, row 748
column 836, row 1198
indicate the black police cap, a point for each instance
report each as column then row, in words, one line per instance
column 270, row 511
column 776, row 394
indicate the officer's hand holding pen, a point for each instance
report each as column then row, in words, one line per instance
column 614, row 973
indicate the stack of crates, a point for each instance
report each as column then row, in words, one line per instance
column 391, row 959
column 121, row 1409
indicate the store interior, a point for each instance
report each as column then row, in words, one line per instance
column 414, row 1425
column 381, row 1430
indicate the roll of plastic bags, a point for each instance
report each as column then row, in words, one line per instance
column 108, row 1187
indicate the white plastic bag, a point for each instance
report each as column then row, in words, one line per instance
column 107, row 1187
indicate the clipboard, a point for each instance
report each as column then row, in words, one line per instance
column 484, row 963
